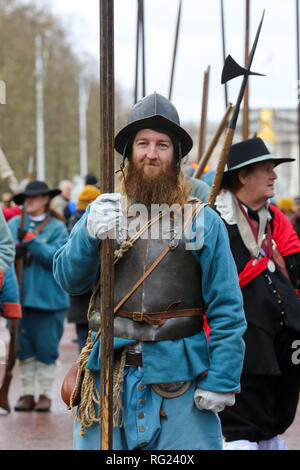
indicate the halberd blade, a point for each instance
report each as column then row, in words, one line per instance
column 232, row 70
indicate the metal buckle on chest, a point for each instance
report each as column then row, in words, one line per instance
column 137, row 316
column 173, row 244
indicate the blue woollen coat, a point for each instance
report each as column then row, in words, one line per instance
column 39, row 288
column 216, row 367
column 44, row 303
column 75, row 268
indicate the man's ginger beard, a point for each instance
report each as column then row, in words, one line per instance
column 167, row 187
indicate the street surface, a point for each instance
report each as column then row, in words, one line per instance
column 54, row 430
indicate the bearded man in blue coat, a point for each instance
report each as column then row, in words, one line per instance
column 174, row 381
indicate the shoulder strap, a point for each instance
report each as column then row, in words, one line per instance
column 40, row 227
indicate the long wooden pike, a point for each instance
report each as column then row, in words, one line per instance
column 298, row 82
column 175, row 49
column 140, row 33
column 221, row 128
column 107, row 103
column 231, row 70
column 203, row 123
column 224, row 49
column 143, row 46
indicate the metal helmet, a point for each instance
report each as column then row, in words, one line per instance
column 158, row 113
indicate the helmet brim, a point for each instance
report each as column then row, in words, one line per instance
column 152, row 122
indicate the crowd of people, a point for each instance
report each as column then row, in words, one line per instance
column 207, row 302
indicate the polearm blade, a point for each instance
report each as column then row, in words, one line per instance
column 232, row 123
column 107, row 246
column 246, row 96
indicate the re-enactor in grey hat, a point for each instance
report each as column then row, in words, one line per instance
column 168, row 375
column 158, row 113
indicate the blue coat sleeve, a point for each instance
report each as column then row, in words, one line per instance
column 7, row 246
column 76, row 264
column 223, row 303
column 200, row 189
column 9, row 296
column 44, row 252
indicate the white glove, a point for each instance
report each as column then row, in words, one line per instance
column 105, row 216
column 207, row 400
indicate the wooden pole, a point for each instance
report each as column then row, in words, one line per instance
column 223, row 124
column 137, row 48
column 298, row 88
column 143, row 47
column 175, row 50
column 246, row 97
column 140, row 34
column 202, row 129
column 40, row 120
column 215, row 187
column 224, row 50
column 107, row 246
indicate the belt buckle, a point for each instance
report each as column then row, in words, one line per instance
column 137, row 316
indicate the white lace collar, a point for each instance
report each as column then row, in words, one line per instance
column 224, row 207
column 38, row 218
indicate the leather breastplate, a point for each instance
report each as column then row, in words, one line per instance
column 176, row 280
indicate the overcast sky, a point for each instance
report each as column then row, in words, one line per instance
column 200, row 45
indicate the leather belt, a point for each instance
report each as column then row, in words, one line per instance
column 134, row 359
column 159, row 318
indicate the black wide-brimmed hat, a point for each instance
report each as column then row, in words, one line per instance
column 35, row 188
column 154, row 112
column 247, row 153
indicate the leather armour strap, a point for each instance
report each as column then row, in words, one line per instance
column 159, row 318
column 134, row 359
column 42, row 225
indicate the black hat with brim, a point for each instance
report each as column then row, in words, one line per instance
column 249, row 152
column 154, row 112
column 33, row 189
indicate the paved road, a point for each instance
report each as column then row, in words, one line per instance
column 40, row 431
column 54, row 431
